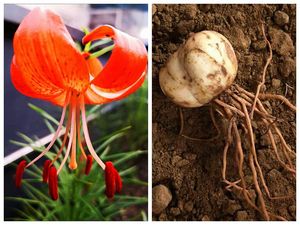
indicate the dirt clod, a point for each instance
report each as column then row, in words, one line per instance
column 161, row 197
column 241, row 215
column 205, row 218
column 281, row 42
column 281, row 18
column 188, row 206
column 232, row 207
column 175, row 211
column 287, row 67
column 259, row 45
column 276, row 83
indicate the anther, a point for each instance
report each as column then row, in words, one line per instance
column 88, row 165
column 110, row 180
column 46, row 170
column 19, row 173
column 53, row 186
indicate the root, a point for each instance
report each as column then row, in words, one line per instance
column 235, row 109
column 264, row 71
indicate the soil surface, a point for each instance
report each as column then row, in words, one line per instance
column 191, row 170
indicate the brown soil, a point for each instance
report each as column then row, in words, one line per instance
column 192, row 169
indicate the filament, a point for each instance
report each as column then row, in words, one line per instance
column 73, row 163
column 87, row 137
column 64, row 140
column 78, row 131
column 55, row 135
column 73, row 113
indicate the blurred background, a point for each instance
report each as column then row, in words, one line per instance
column 132, row 111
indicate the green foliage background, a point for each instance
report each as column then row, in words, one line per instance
column 119, row 135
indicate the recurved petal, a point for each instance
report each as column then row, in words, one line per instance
column 47, row 56
column 126, row 65
column 96, row 95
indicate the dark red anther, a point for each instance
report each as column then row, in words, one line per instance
column 118, row 181
column 19, row 173
column 46, row 170
column 85, row 54
column 88, row 165
column 110, row 180
column 53, row 186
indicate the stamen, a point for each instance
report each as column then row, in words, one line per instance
column 72, row 114
column 110, row 180
column 53, row 186
column 73, row 163
column 87, row 136
column 88, row 165
column 19, row 173
column 64, row 140
column 56, row 133
column 78, row 131
column 47, row 164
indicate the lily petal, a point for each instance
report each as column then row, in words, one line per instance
column 125, row 69
column 46, row 56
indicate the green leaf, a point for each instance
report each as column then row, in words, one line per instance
column 108, row 141
column 43, row 113
column 123, row 130
column 129, row 156
column 144, row 215
column 101, row 42
column 102, row 51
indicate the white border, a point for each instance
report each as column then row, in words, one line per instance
column 149, row 2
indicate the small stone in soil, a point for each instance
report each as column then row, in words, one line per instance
column 259, row 45
column 205, row 218
column 232, row 207
column 287, row 66
column 281, row 18
column 176, row 159
column 175, row 211
column 292, row 210
column 163, row 217
column 276, row 83
column 154, row 9
column 239, row 39
column 180, row 205
column 281, row 42
column 188, row 206
column 264, row 140
column 190, row 11
column 161, row 197
column 183, row 163
column 241, row 216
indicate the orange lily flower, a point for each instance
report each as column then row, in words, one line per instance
column 47, row 65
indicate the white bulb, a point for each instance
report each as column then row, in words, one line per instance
column 203, row 67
